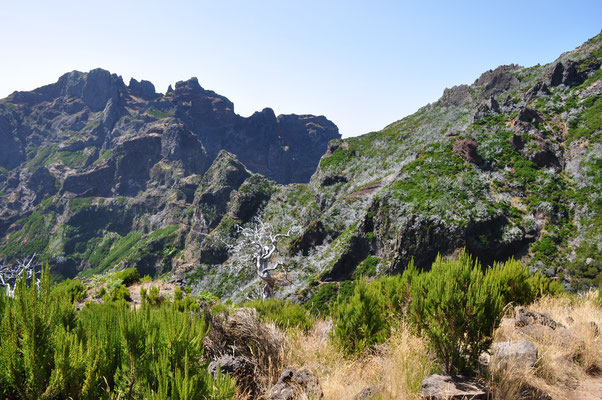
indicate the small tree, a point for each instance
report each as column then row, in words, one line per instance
column 263, row 240
column 10, row 274
column 458, row 308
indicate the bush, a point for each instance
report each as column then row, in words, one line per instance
column 127, row 276
column 513, row 280
column 50, row 351
column 282, row 313
column 73, row 289
column 360, row 322
column 457, row 307
column 541, row 285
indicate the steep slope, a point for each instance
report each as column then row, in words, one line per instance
column 88, row 164
column 507, row 166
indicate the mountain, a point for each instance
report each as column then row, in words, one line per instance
column 88, row 158
column 508, row 166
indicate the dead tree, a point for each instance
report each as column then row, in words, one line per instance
column 263, row 240
column 10, row 274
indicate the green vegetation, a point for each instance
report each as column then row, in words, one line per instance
column 366, row 268
column 159, row 114
column 282, row 313
column 79, row 203
column 457, row 307
column 589, row 122
column 31, row 238
column 106, row 351
column 127, row 276
column 359, row 322
column 71, row 289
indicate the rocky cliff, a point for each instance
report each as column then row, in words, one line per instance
column 88, row 157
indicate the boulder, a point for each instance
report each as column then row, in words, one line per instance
column 446, row 387
column 524, row 317
column 523, row 353
column 368, row 393
column 295, row 385
column 231, row 365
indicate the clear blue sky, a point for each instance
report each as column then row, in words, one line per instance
column 362, row 64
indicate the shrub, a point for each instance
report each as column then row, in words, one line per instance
column 457, row 308
column 283, row 313
column 127, row 276
column 360, row 322
column 106, row 351
column 513, row 281
column 541, row 285
column 73, row 289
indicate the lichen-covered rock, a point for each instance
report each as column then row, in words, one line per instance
column 296, row 385
column 445, row 387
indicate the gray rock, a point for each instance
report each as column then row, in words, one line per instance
column 295, row 384
column 229, row 364
column 367, row 393
column 437, row 387
column 523, row 352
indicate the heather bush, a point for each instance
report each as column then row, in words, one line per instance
column 360, row 322
column 48, row 350
column 457, row 307
column 282, row 313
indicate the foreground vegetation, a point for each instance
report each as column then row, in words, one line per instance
column 49, row 350
column 388, row 333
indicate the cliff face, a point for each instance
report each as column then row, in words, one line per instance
column 89, row 136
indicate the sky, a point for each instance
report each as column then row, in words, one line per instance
column 362, row 64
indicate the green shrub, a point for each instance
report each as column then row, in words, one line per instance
column 73, row 289
column 541, row 285
column 119, row 293
column 127, row 276
column 106, row 351
column 154, row 298
column 513, row 281
column 282, row 313
column 360, row 322
column 457, row 307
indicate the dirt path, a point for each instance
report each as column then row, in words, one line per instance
column 590, row 389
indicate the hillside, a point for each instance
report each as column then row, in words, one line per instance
column 506, row 166
column 89, row 166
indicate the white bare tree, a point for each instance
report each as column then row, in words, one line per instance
column 263, row 241
column 10, row 274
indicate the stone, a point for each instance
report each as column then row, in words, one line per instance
column 231, row 365
column 524, row 317
column 440, row 387
column 523, row 353
column 295, row 385
column 368, row 393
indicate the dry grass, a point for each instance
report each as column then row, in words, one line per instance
column 397, row 368
column 243, row 334
column 566, row 357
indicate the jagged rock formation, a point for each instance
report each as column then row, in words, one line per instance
column 88, row 154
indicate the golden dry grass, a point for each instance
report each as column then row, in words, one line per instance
column 397, row 367
column 566, row 357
